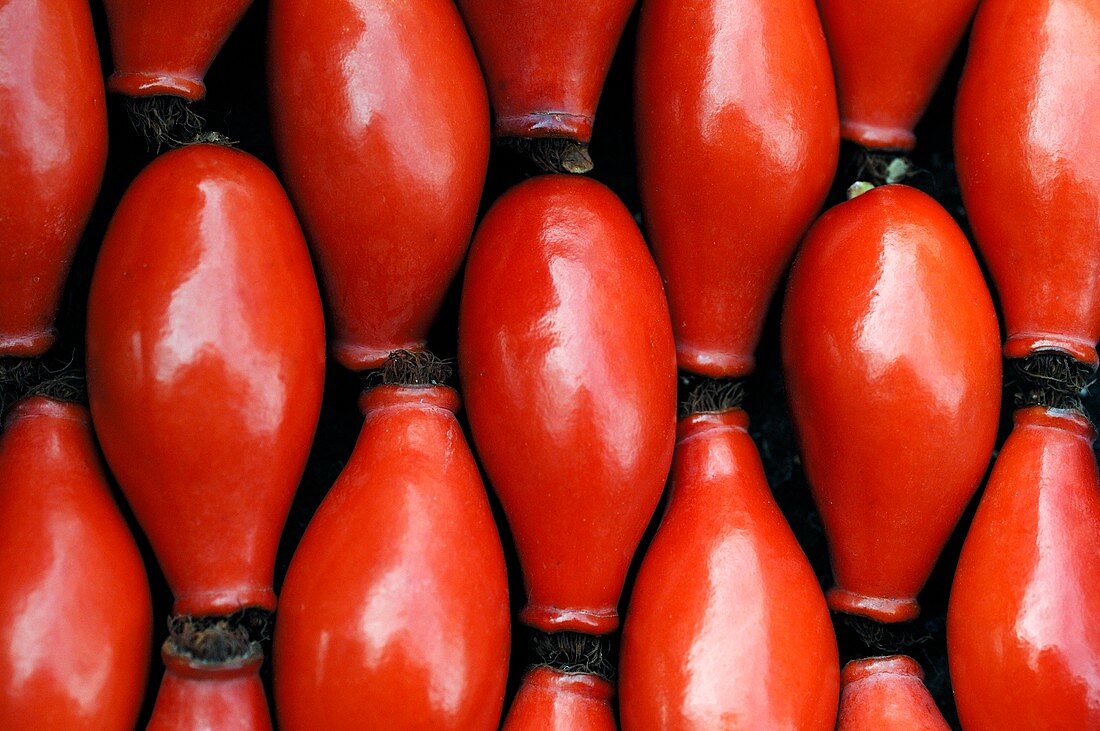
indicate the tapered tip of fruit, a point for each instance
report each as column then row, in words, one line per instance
column 218, row 639
column 56, row 378
column 411, row 368
column 574, row 652
column 881, row 609
column 1052, row 379
column 553, row 154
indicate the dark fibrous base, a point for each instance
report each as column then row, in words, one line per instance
column 23, row 377
column 552, row 154
column 573, row 652
column 219, row 639
column 410, row 368
column 701, row 395
column 1052, row 379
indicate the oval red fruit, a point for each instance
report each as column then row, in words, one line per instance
column 53, row 143
column 395, row 607
column 75, row 616
column 1022, row 631
column 381, row 123
column 726, row 619
column 569, row 375
column 205, row 368
column 890, row 351
column 1029, row 167
column 737, row 139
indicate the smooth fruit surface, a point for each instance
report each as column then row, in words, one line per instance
column 569, row 375
column 889, row 57
column 545, row 61
column 550, row 700
column 727, row 627
column 53, row 147
column 381, row 124
column 166, row 47
column 198, row 697
column 1029, row 167
column 205, row 368
column 887, row 694
column 890, row 351
column 1023, row 634
column 737, row 139
column 75, row 614
column 394, row 613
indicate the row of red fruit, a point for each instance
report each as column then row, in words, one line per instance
column 206, row 366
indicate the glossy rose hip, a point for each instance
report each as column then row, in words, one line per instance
column 887, row 694
column 726, row 620
column 890, row 352
column 381, row 124
column 569, row 374
column 550, row 700
column 53, row 146
column 737, row 138
column 1029, row 167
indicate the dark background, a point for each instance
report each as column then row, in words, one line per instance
column 236, row 106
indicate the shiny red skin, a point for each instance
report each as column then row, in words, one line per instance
column 165, row 47
column 890, row 350
column 75, row 611
column 1029, row 167
column 53, row 143
column 403, row 565
column 545, row 61
column 727, row 627
column 205, row 368
column 737, row 136
column 381, row 123
column 550, row 700
column 198, row 697
column 1022, row 632
column 889, row 57
column 569, row 374
column 887, row 694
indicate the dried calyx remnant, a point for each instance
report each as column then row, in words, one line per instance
column 552, row 154
column 1052, row 379
column 219, row 639
column 702, row 395
column 168, row 122
column 574, row 652
column 410, row 368
column 23, row 377
column 888, row 639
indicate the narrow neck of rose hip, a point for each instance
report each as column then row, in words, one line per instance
column 901, row 665
column 46, row 407
column 1045, row 417
column 427, row 397
column 694, row 425
column 581, row 685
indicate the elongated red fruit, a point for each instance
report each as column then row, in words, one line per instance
column 75, row 616
column 53, row 144
column 545, row 61
column 726, row 620
column 887, row 694
column 1029, row 167
column 166, row 47
column 890, row 350
column 569, row 374
column 205, row 368
column 380, row 120
column 195, row 696
column 1022, row 632
column 737, row 145
column 395, row 608
column 889, row 57
column 550, row 700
